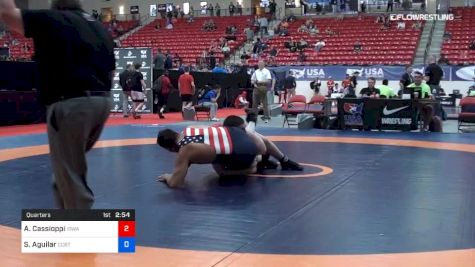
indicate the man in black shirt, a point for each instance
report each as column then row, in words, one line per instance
column 289, row 86
column 433, row 73
column 75, row 91
column 124, row 79
column 406, row 79
column 370, row 91
column 353, row 84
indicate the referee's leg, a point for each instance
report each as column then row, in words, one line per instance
column 73, row 127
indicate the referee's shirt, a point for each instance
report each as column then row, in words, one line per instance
column 261, row 76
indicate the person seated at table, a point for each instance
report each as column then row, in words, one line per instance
column 385, row 91
column 371, row 91
column 418, row 89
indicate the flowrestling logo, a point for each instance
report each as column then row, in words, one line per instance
column 421, row 17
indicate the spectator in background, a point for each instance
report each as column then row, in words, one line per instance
column 417, row 25
column 226, row 50
column 159, row 62
column 346, row 82
column 447, row 36
column 329, row 31
column 330, row 85
column 290, row 85
column 302, row 29
column 177, row 61
column 138, row 96
column 211, row 9
column 123, row 81
column 263, row 25
column 239, row 8
column 337, row 89
column 272, row 9
column 210, row 100
column 443, row 59
column 219, row 69
column 401, row 25
column 168, row 60
column 218, row 10
column 315, row 86
column 390, row 6
column 363, row 6
column 406, row 78
column 231, row 9
column 186, row 86
column 302, row 44
column 249, row 34
column 273, row 53
column 319, row 45
column 433, row 75
column 301, row 57
column 291, row 45
column 471, row 46
column 358, row 47
column 333, row 3
column 162, row 88
column 353, row 84
column 241, row 100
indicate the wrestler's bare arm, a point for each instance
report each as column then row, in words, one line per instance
column 189, row 154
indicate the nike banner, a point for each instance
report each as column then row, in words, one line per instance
column 384, row 114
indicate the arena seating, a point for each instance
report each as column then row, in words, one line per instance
column 17, row 42
column 462, row 31
column 389, row 47
column 186, row 39
column 125, row 25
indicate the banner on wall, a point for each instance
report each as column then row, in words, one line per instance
column 134, row 10
column 123, row 57
column 380, row 72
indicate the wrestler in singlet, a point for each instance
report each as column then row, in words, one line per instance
column 235, row 150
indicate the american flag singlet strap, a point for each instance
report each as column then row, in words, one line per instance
column 217, row 137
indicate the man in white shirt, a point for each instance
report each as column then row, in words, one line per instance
column 319, row 45
column 261, row 78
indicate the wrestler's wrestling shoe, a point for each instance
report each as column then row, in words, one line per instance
column 290, row 165
column 266, row 165
column 251, row 115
